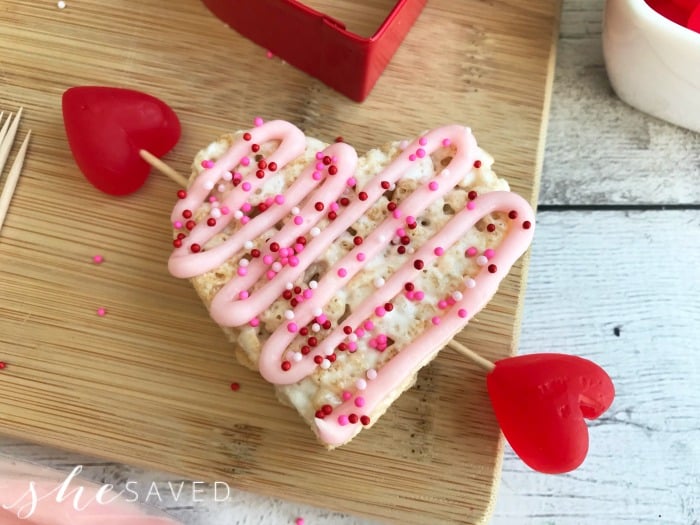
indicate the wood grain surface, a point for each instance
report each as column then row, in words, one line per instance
column 148, row 383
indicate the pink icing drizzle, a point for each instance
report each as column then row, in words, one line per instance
column 233, row 307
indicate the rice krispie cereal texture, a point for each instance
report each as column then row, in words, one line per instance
column 410, row 313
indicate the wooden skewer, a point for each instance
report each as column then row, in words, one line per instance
column 166, row 170
column 161, row 166
column 7, row 137
column 12, row 178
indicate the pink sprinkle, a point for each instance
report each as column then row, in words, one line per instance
column 359, row 401
column 245, row 161
column 298, row 220
column 420, row 152
column 397, row 214
column 360, row 332
column 418, row 296
column 351, row 182
column 400, row 232
column 433, row 186
column 299, row 521
column 270, row 54
column 334, row 159
column 380, row 311
column 206, row 164
column 352, row 346
column 321, row 319
column 319, row 155
column 436, row 320
column 439, row 251
column 442, row 304
column 422, row 141
column 267, row 259
column 471, row 205
column 246, row 207
column 225, row 210
column 472, row 251
column 243, row 294
column 298, row 247
column 254, row 322
column 284, row 252
column 382, row 338
column 246, row 186
column 294, row 261
column 446, row 142
column 462, row 313
column 334, row 206
column 284, row 261
column 292, row 327
column 98, row 259
column 346, row 395
column 373, row 343
column 368, row 325
column 258, row 121
column 237, row 177
column 242, row 271
column 410, row 295
column 489, row 253
column 308, row 294
column 270, row 275
column 245, row 219
column 279, row 199
column 319, row 166
column 316, row 175
column 342, row 272
column 411, row 157
column 342, row 420
column 212, row 198
column 101, row 312
column 360, row 256
column 176, row 224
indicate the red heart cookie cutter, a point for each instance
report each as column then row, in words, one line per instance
column 318, row 44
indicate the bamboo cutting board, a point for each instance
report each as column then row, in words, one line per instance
column 148, row 384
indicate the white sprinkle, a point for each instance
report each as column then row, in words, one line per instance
column 61, row 4
column 325, row 364
column 378, row 282
column 208, row 185
column 457, row 296
column 296, row 357
column 371, row 374
column 289, row 286
column 352, row 337
column 288, row 315
column 382, row 238
column 361, row 384
column 317, row 312
column 468, row 129
column 276, row 266
column 328, row 351
column 313, row 285
column 471, row 283
column 315, row 327
column 445, row 172
column 481, row 260
column 410, row 249
column 237, row 214
column 296, row 210
column 221, row 188
column 403, row 145
column 216, row 213
column 227, row 176
column 248, row 245
column 244, row 262
column 315, row 232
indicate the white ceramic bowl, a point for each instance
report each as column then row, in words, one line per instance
column 653, row 63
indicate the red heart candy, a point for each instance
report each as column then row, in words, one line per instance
column 541, row 401
column 106, row 128
column 694, row 19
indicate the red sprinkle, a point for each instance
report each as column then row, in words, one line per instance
column 255, row 253
column 255, row 148
column 353, row 418
column 246, row 136
column 327, row 160
column 287, row 294
column 190, row 225
column 305, row 350
column 477, row 163
column 319, row 414
column 339, row 139
column 181, row 194
column 401, row 249
column 286, row 365
column 332, row 170
column 319, row 206
column 409, row 287
column 418, row 264
column 344, row 201
column 260, row 174
column 512, row 214
column 177, row 243
column 262, row 164
column 364, row 420
column 312, row 341
column 327, row 409
column 318, row 359
column 491, row 228
column 363, row 196
column 326, row 325
column 3, row 364
column 274, row 247
column 181, row 235
column 187, row 214
column 357, row 240
column 211, row 221
column 235, row 387
column 332, row 215
column 347, row 330
column 493, row 268
column 272, row 166
column 391, row 206
column 526, row 225
column 303, row 331
column 331, row 358
column 472, row 195
column 195, row 248
column 388, row 307
column 385, row 185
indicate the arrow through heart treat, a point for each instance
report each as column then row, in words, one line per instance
column 340, row 277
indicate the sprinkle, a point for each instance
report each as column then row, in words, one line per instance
column 298, row 220
column 418, row 295
column 246, row 186
column 254, row 322
column 380, row 311
column 296, row 357
column 403, row 145
column 439, row 251
column 258, row 121
column 361, row 384
column 526, row 225
column 342, row 420
column 360, row 256
column 292, row 327
column 176, row 224
column 420, row 153
column 216, row 213
column 299, row 521
column 481, row 260
column 446, row 142
column 489, row 253
column 318, row 313
column 235, row 387
column 353, row 418
column 61, row 4
column 368, row 325
column 491, row 228
column 457, row 296
column 418, row 264
column 351, row 182
column 396, row 214
column 315, row 327
column 462, row 313
column 492, row 268
column 378, row 282
column 276, row 266
column 342, row 272
column 98, row 259
column 471, row 251
column 101, row 312
column 286, row 365
column 242, row 271
column 289, row 315
column 243, row 294
column 422, row 141
column 477, row 164
column 471, row 205
column 364, row 420
column 279, row 199
column 371, row 374
column 445, row 172
column 442, row 304
column 315, row 232
column 325, row 364
column 433, row 186
column 360, row 401
column 412, row 157
column 313, row 285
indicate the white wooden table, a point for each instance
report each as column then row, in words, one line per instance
column 615, row 277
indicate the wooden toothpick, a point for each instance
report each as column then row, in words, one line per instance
column 7, row 137
column 12, row 178
column 166, row 170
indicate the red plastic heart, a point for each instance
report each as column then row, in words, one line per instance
column 106, row 128
column 541, row 401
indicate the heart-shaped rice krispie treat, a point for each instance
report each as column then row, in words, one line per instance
column 340, row 277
